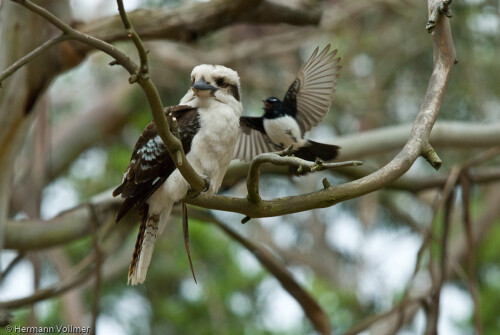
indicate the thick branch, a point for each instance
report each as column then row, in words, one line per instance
column 80, row 273
column 66, row 227
column 461, row 135
column 194, row 21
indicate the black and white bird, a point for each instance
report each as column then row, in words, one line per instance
column 284, row 123
column 208, row 125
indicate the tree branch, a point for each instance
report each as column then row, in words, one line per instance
column 30, row 56
column 139, row 74
column 74, row 34
column 65, row 228
column 310, row 306
column 282, row 159
column 83, row 271
column 191, row 22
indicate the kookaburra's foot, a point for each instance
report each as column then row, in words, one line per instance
column 193, row 194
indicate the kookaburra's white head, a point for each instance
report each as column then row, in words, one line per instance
column 213, row 82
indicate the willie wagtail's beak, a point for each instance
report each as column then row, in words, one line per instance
column 202, row 89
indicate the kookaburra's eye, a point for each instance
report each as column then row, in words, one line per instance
column 192, row 81
column 220, row 82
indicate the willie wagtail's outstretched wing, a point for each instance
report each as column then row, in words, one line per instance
column 311, row 94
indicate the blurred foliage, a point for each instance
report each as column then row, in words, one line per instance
column 387, row 60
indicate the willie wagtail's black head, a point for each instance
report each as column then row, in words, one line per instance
column 274, row 108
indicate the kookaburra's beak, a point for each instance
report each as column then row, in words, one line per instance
column 202, row 89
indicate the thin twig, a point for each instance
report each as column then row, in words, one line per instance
column 369, row 321
column 19, row 257
column 482, row 157
column 131, row 33
column 312, row 309
column 30, row 56
column 471, row 264
column 434, row 298
column 52, row 291
column 99, row 259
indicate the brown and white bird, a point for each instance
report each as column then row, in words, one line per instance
column 284, row 123
column 208, row 124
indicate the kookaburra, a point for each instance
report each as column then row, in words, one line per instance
column 208, row 124
column 284, row 123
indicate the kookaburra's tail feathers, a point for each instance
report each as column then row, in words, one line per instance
column 144, row 247
column 313, row 150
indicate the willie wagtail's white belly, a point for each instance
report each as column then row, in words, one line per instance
column 283, row 131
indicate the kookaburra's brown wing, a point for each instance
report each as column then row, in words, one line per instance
column 150, row 164
column 311, row 94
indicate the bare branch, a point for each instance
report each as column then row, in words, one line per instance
column 281, row 158
column 445, row 134
column 312, row 309
column 408, row 305
column 19, row 257
column 33, row 54
column 49, row 292
column 74, row 34
column 66, row 227
column 99, row 259
column 191, row 22
column 132, row 34
column 83, row 271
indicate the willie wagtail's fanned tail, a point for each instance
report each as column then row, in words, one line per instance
column 314, row 150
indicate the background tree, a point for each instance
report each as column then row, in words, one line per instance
column 67, row 137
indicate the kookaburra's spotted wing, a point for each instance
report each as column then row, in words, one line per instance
column 208, row 124
column 284, row 123
column 151, row 164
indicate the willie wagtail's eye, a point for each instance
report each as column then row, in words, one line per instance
column 220, row 82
